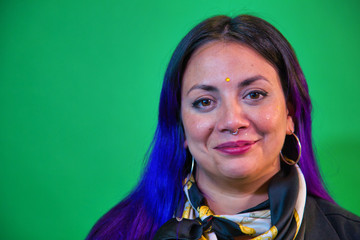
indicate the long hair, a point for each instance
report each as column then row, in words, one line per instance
column 155, row 198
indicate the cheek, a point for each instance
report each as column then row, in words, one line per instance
column 271, row 119
column 196, row 127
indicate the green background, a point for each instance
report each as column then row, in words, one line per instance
column 79, row 87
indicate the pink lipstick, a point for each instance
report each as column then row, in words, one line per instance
column 235, row 148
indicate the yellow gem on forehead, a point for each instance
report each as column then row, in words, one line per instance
column 227, row 79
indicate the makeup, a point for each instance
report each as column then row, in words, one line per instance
column 235, row 148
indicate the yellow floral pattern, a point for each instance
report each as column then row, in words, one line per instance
column 256, row 224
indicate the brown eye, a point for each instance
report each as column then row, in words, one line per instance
column 256, row 95
column 205, row 102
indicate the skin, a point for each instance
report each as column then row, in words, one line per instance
column 212, row 108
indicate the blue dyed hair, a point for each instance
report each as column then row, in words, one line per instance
column 155, row 198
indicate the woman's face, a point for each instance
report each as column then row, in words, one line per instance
column 229, row 86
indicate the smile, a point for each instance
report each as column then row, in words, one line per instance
column 235, row 148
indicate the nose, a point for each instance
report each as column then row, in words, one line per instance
column 233, row 118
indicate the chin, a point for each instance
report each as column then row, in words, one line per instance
column 238, row 172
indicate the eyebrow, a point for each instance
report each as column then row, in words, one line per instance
column 250, row 80
column 208, row 88
column 242, row 84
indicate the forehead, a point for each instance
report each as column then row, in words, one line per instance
column 215, row 61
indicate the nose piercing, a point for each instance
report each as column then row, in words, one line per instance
column 227, row 79
column 235, row 132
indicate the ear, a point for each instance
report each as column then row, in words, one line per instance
column 185, row 144
column 290, row 125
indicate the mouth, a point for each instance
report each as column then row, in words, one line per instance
column 235, row 148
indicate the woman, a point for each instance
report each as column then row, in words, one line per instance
column 224, row 162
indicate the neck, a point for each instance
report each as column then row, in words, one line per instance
column 230, row 196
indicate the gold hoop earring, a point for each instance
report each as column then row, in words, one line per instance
column 288, row 160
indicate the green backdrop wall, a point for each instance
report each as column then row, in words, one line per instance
column 79, row 86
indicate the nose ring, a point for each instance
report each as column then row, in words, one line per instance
column 235, row 132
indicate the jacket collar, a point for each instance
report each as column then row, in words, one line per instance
column 317, row 226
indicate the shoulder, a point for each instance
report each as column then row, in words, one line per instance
column 327, row 218
column 128, row 220
column 333, row 211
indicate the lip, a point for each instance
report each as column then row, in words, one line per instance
column 235, row 148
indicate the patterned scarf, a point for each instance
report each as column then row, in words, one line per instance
column 279, row 217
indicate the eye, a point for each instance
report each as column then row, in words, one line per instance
column 203, row 103
column 256, row 95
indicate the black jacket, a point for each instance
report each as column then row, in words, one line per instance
column 325, row 220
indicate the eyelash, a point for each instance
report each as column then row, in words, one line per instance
column 258, row 92
column 199, row 103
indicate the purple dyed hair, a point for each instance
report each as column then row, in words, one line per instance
column 155, row 198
